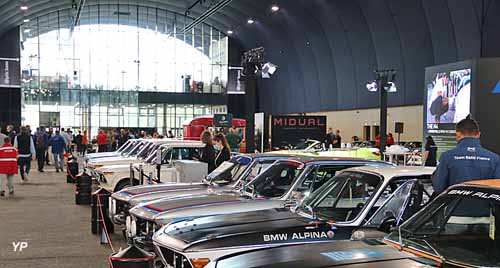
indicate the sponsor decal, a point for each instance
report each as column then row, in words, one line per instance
column 354, row 254
column 481, row 195
column 298, row 236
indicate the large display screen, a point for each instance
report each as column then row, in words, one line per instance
column 448, row 97
column 448, row 100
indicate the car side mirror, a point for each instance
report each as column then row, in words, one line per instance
column 388, row 224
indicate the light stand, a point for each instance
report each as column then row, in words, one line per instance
column 252, row 62
column 384, row 79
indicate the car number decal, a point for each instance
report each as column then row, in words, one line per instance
column 353, row 254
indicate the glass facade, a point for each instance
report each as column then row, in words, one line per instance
column 90, row 76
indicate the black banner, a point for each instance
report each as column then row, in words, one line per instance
column 289, row 130
column 9, row 73
column 223, row 120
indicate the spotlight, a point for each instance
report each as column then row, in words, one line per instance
column 268, row 69
column 230, row 32
column 24, row 7
column 250, row 21
column 275, row 8
column 26, row 20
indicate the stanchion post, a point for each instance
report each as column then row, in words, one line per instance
column 141, row 168
column 131, row 174
column 150, row 178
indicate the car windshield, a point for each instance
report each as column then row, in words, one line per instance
column 124, row 146
column 153, row 154
column 248, row 173
column 343, row 198
column 136, row 149
column 224, row 172
column 128, row 147
column 459, row 226
column 276, row 180
column 150, row 147
column 303, row 145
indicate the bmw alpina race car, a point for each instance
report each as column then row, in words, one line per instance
column 381, row 196
column 283, row 184
column 359, row 254
column 235, row 173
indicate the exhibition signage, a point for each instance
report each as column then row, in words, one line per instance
column 447, row 101
column 223, row 120
column 9, row 73
column 289, row 130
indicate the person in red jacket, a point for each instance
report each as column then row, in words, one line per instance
column 102, row 141
column 8, row 165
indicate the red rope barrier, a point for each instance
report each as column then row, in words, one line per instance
column 104, row 222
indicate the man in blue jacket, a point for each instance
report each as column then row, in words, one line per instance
column 58, row 145
column 468, row 162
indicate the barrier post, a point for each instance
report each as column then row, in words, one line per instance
column 141, row 168
column 131, row 174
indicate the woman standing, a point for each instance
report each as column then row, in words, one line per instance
column 84, row 143
column 430, row 152
column 224, row 151
column 207, row 154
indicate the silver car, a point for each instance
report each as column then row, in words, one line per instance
column 240, row 169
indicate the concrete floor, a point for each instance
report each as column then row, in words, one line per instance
column 43, row 214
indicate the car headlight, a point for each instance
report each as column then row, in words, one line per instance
column 130, row 227
column 112, row 205
column 199, row 262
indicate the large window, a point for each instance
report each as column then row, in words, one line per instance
column 90, row 75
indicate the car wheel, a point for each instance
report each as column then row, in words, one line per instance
column 124, row 184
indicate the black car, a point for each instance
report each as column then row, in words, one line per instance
column 359, row 254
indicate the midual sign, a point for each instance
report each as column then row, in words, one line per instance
column 302, row 121
column 290, row 130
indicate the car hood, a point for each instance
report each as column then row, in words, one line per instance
column 186, row 205
column 119, row 167
column 360, row 254
column 132, row 193
column 262, row 228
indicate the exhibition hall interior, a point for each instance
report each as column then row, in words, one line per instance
column 249, row 133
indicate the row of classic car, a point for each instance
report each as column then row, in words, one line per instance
column 285, row 210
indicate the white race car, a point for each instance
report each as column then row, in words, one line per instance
column 113, row 178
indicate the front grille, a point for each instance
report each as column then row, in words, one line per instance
column 146, row 228
column 174, row 259
column 122, row 207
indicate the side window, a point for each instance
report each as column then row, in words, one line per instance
column 319, row 176
column 391, row 210
column 185, row 153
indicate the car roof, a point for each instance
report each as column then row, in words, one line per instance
column 190, row 144
column 488, row 183
column 307, row 159
column 389, row 172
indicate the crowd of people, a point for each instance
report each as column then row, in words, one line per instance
column 468, row 161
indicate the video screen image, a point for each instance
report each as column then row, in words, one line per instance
column 448, row 97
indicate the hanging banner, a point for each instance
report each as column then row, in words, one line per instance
column 10, row 73
column 290, row 130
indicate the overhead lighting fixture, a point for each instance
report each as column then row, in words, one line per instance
column 275, row 8
column 27, row 30
column 24, row 7
column 250, row 21
column 26, row 20
column 230, row 32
